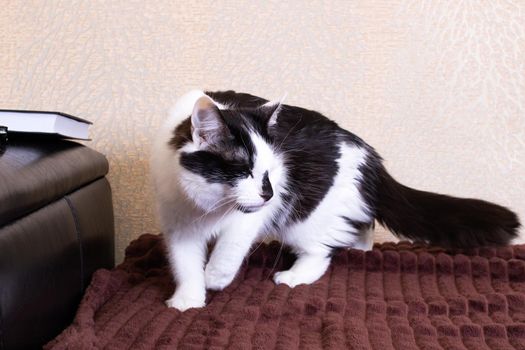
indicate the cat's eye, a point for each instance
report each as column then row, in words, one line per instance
column 240, row 164
column 242, row 167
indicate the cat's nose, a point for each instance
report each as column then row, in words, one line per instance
column 266, row 195
column 267, row 191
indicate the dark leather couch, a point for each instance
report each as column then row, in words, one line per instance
column 56, row 229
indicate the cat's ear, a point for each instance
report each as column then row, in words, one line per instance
column 207, row 124
column 272, row 109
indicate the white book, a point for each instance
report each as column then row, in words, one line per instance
column 45, row 122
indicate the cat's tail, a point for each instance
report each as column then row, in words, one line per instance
column 442, row 220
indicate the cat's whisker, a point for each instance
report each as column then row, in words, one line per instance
column 260, row 243
column 289, row 131
column 228, row 201
column 228, row 212
column 220, row 202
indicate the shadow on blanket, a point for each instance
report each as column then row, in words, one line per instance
column 397, row 296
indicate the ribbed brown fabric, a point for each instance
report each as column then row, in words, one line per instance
column 397, row 296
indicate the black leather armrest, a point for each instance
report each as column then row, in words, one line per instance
column 47, row 256
column 36, row 170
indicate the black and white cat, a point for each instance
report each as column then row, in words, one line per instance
column 239, row 169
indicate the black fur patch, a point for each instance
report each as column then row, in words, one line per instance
column 358, row 227
column 214, row 168
column 181, row 134
column 309, row 143
column 442, row 220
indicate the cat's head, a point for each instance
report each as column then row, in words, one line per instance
column 228, row 158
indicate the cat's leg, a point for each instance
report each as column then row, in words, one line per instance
column 187, row 254
column 232, row 246
column 308, row 268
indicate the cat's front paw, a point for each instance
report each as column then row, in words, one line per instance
column 287, row 277
column 217, row 279
column 184, row 301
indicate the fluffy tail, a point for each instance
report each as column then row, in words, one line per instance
column 442, row 220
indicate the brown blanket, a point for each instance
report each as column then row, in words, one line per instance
column 397, row 296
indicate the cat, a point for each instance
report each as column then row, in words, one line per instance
column 239, row 169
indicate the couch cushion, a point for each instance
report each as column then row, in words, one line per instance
column 36, row 170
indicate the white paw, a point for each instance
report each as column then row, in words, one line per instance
column 287, row 277
column 184, row 301
column 216, row 279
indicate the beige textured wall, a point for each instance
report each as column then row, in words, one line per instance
column 438, row 87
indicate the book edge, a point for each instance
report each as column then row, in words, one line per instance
column 47, row 112
column 52, row 134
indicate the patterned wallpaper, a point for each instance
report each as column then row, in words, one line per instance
column 438, row 87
